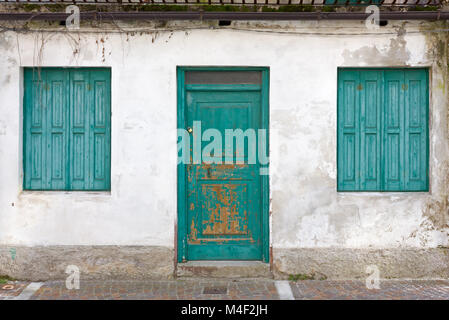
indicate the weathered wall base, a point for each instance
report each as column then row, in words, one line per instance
column 348, row 263
column 94, row 262
column 151, row 262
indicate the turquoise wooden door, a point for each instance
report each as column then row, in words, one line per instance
column 224, row 201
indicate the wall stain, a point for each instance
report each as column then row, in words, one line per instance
column 436, row 209
column 396, row 54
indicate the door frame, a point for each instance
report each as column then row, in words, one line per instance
column 181, row 223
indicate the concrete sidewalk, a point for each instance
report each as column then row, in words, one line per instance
column 219, row 289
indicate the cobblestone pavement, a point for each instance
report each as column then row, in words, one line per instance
column 388, row 290
column 259, row 289
column 163, row 290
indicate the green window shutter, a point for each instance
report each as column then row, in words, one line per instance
column 390, row 149
column 35, row 133
column 393, row 141
column 416, row 130
column 56, row 120
column 80, row 113
column 100, row 135
column 370, row 131
column 348, row 130
column 67, row 129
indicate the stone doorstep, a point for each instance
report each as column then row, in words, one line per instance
column 224, row 269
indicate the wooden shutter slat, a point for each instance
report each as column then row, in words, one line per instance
column 348, row 131
column 370, row 132
column 35, row 130
column 416, row 145
column 56, row 130
column 100, row 133
column 393, row 141
column 79, row 125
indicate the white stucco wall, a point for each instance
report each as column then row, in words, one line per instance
column 141, row 207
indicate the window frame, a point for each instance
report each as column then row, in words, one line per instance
column 383, row 189
column 67, row 165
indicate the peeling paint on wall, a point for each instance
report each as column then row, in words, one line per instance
column 394, row 54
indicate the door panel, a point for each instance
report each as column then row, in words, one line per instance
column 224, row 197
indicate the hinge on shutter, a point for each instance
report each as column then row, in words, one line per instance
column 404, row 86
column 360, row 87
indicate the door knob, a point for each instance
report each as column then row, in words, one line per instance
column 189, row 130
